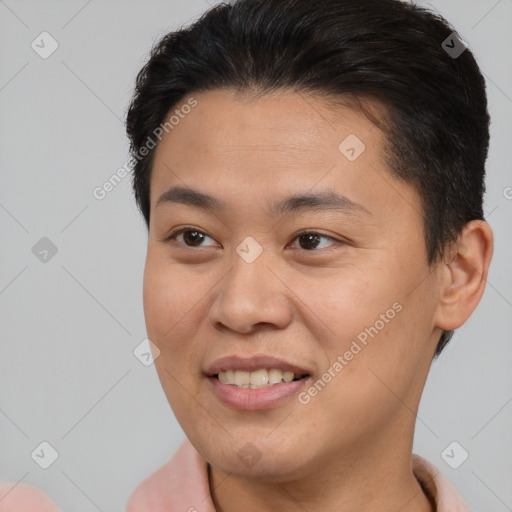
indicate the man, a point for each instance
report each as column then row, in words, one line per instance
column 311, row 175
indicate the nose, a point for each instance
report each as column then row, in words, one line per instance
column 250, row 297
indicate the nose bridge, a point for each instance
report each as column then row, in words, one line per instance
column 250, row 293
column 249, row 269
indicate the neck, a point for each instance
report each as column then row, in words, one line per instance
column 370, row 480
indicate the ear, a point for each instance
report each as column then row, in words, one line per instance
column 463, row 275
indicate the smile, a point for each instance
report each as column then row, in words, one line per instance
column 262, row 378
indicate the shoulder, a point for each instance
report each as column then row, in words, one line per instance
column 20, row 497
column 174, row 485
column 435, row 484
column 148, row 494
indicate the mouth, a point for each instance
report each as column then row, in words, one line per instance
column 258, row 379
column 256, row 371
column 254, row 383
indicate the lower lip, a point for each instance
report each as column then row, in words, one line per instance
column 254, row 399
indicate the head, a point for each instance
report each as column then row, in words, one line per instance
column 311, row 175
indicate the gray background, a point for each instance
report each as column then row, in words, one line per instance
column 69, row 326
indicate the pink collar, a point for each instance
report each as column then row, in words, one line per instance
column 182, row 485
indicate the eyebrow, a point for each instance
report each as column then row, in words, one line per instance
column 317, row 201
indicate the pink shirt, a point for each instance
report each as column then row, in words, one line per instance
column 20, row 497
column 181, row 485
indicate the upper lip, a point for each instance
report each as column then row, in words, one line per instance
column 253, row 363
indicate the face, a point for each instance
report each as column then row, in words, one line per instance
column 307, row 262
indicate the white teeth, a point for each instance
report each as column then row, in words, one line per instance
column 242, row 378
column 287, row 376
column 258, row 379
column 274, row 376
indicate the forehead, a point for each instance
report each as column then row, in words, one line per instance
column 226, row 121
column 275, row 145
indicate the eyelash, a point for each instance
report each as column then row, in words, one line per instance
column 172, row 237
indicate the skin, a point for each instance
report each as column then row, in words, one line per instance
column 350, row 447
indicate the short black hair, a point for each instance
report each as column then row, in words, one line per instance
column 407, row 57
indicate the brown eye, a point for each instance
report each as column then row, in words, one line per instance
column 191, row 237
column 310, row 240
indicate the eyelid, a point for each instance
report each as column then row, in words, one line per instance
column 318, row 233
column 311, row 231
column 172, row 236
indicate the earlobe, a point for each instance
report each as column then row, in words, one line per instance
column 463, row 275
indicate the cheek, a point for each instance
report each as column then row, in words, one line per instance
column 349, row 303
column 167, row 294
column 171, row 302
column 382, row 339
column 375, row 322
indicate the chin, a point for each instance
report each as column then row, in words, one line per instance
column 255, row 457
